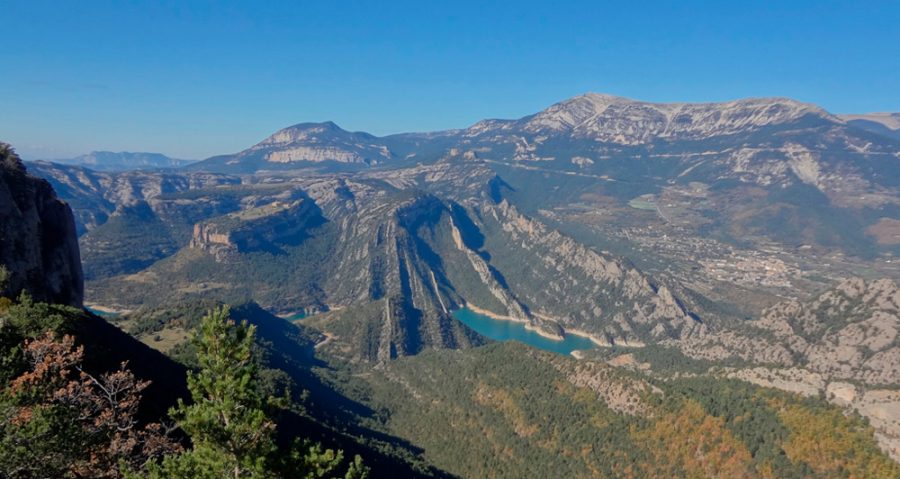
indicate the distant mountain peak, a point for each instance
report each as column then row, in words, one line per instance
column 304, row 144
column 605, row 99
column 321, row 125
column 300, row 132
column 615, row 119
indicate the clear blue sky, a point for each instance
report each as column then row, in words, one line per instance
column 193, row 79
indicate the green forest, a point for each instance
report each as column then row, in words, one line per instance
column 62, row 414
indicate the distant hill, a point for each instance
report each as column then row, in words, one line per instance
column 887, row 124
column 303, row 145
column 123, row 161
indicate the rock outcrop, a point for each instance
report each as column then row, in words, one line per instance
column 38, row 244
column 850, row 332
column 262, row 228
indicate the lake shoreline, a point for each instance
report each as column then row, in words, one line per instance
column 531, row 327
column 598, row 342
column 528, row 325
column 100, row 309
column 491, row 325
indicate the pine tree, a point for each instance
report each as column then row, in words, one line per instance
column 229, row 421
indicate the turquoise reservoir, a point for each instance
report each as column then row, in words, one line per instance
column 102, row 314
column 503, row 330
column 295, row 316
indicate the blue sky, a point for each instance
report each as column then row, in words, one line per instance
column 193, row 79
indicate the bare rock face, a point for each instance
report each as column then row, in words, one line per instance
column 849, row 332
column 207, row 238
column 260, row 228
column 38, row 245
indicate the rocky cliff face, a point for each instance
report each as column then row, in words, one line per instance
column 38, row 245
column 262, row 228
column 578, row 288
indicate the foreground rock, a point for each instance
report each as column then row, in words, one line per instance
column 38, row 248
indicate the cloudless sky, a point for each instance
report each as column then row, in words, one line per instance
column 193, row 78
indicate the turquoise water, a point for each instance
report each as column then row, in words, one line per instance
column 295, row 316
column 502, row 330
column 102, row 314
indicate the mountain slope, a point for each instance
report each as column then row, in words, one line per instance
column 505, row 410
column 301, row 145
column 887, row 124
column 850, row 332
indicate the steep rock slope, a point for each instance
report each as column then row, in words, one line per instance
column 849, row 332
column 38, row 246
column 526, row 271
column 392, row 253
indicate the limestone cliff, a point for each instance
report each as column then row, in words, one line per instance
column 38, row 245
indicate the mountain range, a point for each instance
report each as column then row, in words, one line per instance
column 716, row 239
column 123, row 160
